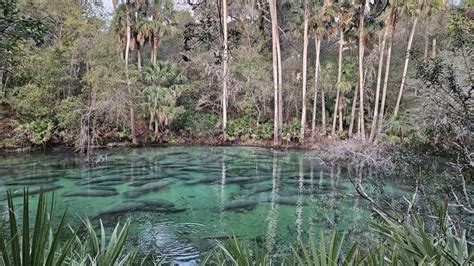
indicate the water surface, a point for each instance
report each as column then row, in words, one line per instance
column 182, row 199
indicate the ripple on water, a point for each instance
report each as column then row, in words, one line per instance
column 164, row 239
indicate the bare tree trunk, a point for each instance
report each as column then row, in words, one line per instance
column 373, row 130
column 151, row 50
column 340, row 107
column 361, row 132
column 275, row 71
column 280, row 83
column 339, row 76
column 130, row 103
column 305, row 55
column 393, row 19
column 317, row 43
column 354, row 103
column 405, row 68
column 154, row 48
column 225, row 78
column 139, row 59
column 433, row 48
column 427, row 44
column 323, row 112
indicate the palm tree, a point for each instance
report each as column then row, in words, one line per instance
column 374, row 127
column 317, row 44
column 161, row 12
column 164, row 82
column 363, row 10
column 316, row 20
column 413, row 7
column 341, row 17
column 128, row 4
column 225, row 74
column 276, row 72
column 305, row 66
column 391, row 27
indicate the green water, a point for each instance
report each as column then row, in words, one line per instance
column 181, row 199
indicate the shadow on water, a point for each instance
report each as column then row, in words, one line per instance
column 183, row 199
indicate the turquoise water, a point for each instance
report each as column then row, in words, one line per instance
column 182, row 199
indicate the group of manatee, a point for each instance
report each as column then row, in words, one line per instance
column 143, row 175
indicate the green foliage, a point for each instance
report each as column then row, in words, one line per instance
column 17, row 29
column 38, row 132
column 98, row 252
column 41, row 245
column 309, row 254
column 245, row 129
column 46, row 245
column 291, row 131
column 414, row 245
column 32, row 102
column 157, row 100
column 401, row 244
column 235, row 252
column 197, row 124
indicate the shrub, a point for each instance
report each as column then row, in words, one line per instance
column 38, row 132
column 291, row 130
column 197, row 124
column 32, row 102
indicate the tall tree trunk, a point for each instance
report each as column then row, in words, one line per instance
column 139, row 58
column 280, row 82
column 393, row 20
column 427, row 44
column 275, row 71
column 305, row 55
column 154, row 48
column 405, row 68
column 225, row 78
column 317, row 43
column 361, row 67
column 130, row 103
column 323, row 112
column 373, row 130
column 339, row 77
column 433, row 48
column 353, row 110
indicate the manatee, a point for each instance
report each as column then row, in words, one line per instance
column 32, row 190
column 160, row 203
column 121, row 208
column 31, row 182
column 245, row 179
column 100, row 187
column 291, row 201
column 101, row 179
column 149, row 187
column 91, row 193
column 260, row 188
column 111, row 183
column 241, row 204
column 138, row 206
column 204, row 180
column 139, row 183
